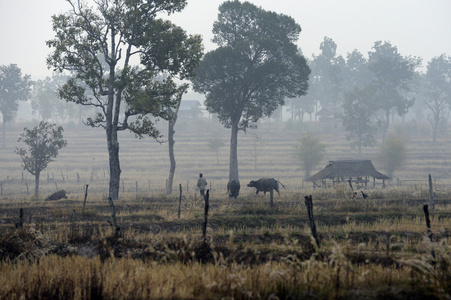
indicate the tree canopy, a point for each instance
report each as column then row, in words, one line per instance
column 357, row 117
column 254, row 69
column 13, row 88
column 437, row 89
column 392, row 73
column 123, row 59
column 327, row 77
column 46, row 103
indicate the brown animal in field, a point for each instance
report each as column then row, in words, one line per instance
column 57, row 195
column 265, row 185
column 233, row 188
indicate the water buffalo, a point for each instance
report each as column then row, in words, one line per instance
column 265, row 185
column 233, row 188
column 57, row 195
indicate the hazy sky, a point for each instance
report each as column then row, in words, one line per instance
column 417, row 27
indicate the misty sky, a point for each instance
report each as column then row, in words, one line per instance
column 417, row 27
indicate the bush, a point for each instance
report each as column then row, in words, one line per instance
column 393, row 153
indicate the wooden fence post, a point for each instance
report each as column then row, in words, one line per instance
column 73, row 223
column 84, row 202
column 20, row 225
column 180, row 199
column 136, row 183
column 309, row 205
column 428, row 221
column 28, row 191
column 431, row 193
column 204, row 223
column 428, row 225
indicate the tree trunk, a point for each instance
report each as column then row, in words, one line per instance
column 233, row 167
column 3, row 132
column 434, row 132
column 171, row 156
column 115, row 170
column 36, row 184
column 112, row 120
column 172, row 119
column 255, row 158
column 360, row 144
column 387, row 123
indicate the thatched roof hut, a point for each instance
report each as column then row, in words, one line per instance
column 358, row 171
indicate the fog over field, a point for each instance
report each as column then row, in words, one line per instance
column 112, row 114
column 417, row 28
column 340, row 42
column 145, row 162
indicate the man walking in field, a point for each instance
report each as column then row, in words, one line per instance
column 201, row 184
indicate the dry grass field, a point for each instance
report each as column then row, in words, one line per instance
column 375, row 248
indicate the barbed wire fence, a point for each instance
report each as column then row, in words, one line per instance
column 17, row 183
column 21, row 184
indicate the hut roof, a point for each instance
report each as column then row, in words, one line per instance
column 348, row 168
column 324, row 112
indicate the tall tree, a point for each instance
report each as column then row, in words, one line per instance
column 356, row 73
column 116, row 50
column 45, row 100
column 43, row 141
column 358, row 109
column 256, row 66
column 327, row 75
column 437, row 89
column 13, row 88
column 392, row 73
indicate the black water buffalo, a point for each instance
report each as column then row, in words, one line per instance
column 57, row 195
column 233, row 188
column 265, row 185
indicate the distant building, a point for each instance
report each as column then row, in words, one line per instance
column 354, row 171
column 191, row 109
